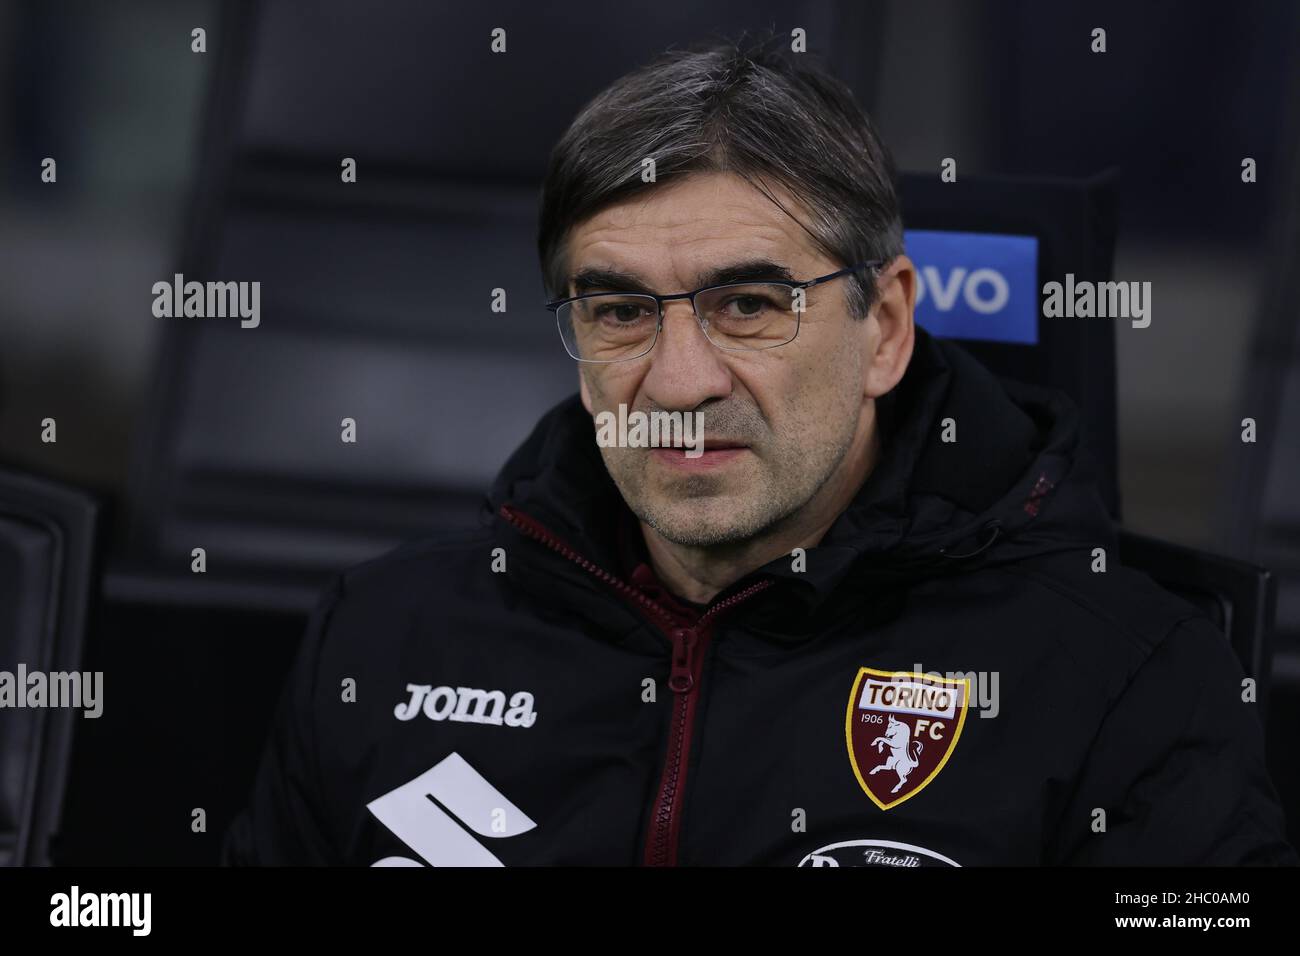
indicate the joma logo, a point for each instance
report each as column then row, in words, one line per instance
column 467, row 705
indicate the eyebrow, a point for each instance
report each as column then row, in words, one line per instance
column 749, row 270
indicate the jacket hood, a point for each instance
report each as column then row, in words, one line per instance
column 1014, row 484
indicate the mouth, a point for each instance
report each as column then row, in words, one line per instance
column 717, row 452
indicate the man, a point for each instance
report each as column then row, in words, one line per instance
column 868, row 625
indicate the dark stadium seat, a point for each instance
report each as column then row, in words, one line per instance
column 1072, row 224
column 47, row 566
column 1240, row 598
column 1261, row 519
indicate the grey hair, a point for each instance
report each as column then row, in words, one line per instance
column 747, row 110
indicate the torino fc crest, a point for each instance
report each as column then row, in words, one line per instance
column 901, row 729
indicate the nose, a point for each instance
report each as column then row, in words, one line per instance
column 686, row 369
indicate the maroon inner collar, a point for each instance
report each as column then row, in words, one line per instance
column 634, row 567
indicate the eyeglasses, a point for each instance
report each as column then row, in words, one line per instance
column 603, row 327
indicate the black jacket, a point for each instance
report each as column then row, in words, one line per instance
column 568, row 710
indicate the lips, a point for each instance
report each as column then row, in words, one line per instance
column 711, row 455
column 710, row 445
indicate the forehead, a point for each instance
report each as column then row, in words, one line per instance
column 675, row 231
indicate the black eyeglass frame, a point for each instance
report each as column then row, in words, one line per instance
column 661, row 299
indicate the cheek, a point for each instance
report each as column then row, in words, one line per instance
column 594, row 382
column 610, row 387
column 828, row 377
column 843, row 375
column 815, row 397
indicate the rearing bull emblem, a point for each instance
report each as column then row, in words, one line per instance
column 904, row 752
column 914, row 718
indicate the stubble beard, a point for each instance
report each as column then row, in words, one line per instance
column 741, row 501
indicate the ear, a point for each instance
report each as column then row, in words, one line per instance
column 891, row 333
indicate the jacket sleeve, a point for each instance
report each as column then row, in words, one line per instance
column 1178, row 769
column 284, row 822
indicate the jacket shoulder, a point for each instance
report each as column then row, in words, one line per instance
column 418, row 569
column 1109, row 623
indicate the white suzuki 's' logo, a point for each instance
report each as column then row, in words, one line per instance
column 430, row 827
column 467, row 705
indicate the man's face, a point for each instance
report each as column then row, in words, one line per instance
column 798, row 410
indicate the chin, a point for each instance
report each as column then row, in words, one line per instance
column 698, row 527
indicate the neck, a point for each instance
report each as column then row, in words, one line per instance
column 700, row 574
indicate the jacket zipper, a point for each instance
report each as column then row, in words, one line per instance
column 688, row 646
